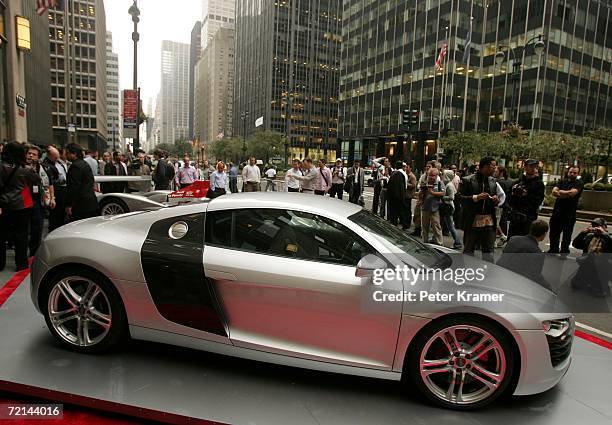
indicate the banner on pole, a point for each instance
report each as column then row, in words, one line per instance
column 130, row 113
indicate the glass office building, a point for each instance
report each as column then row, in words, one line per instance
column 388, row 65
column 287, row 71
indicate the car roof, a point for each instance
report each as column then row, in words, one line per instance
column 285, row 200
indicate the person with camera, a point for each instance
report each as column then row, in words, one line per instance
column 525, row 200
column 140, row 168
column 595, row 270
column 431, row 194
column 480, row 194
column 567, row 193
column 338, row 180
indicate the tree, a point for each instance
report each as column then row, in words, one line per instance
column 265, row 144
column 226, row 149
column 603, row 137
column 178, row 148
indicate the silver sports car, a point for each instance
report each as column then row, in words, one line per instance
column 279, row 278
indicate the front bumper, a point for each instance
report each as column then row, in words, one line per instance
column 537, row 371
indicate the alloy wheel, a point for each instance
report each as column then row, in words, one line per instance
column 79, row 311
column 463, row 364
column 112, row 209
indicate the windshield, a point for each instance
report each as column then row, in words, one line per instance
column 396, row 237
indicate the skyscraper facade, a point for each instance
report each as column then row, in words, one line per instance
column 174, row 94
column 216, row 14
column 214, row 88
column 195, row 53
column 389, row 60
column 113, row 105
column 287, row 71
column 77, row 34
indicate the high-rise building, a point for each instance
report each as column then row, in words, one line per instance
column 214, row 88
column 287, row 71
column 113, row 103
column 24, row 74
column 78, row 73
column 216, row 14
column 149, row 125
column 174, row 94
column 195, row 53
column 389, row 56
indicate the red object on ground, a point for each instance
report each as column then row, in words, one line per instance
column 199, row 189
column 13, row 283
column 593, row 339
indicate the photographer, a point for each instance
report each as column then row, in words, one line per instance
column 140, row 168
column 525, row 200
column 595, row 270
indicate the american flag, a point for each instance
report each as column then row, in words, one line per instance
column 43, row 5
column 441, row 57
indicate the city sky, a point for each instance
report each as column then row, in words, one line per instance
column 159, row 21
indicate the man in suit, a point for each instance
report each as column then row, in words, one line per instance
column 81, row 201
column 160, row 176
column 523, row 255
column 355, row 177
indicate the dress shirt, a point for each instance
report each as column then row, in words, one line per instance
column 323, row 181
column 251, row 173
column 186, row 175
column 62, row 168
column 93, row 164
column 290, row 180
column 271, row 173
column 218, row 180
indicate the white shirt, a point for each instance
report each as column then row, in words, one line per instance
column 271, row 173
column 290, row 180
column 251, row 173
column 357, row 171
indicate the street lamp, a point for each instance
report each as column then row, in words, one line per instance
column 538, row 47
column 244, row 117
column 135, row 13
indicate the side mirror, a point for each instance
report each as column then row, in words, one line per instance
column 367, row 265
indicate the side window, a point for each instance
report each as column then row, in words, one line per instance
column 219, row 228
column 290, row 234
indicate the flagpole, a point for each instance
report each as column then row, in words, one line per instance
column 467, row 71
column 442, row 94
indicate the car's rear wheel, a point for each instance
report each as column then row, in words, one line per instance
column 113, row 206
column 83, row 311
column 462, row 363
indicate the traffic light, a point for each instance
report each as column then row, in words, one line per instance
column 406, row 117
column 414, row 117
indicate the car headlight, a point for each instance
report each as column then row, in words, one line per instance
column 556, row 328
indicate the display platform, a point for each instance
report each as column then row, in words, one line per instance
column 177, row 385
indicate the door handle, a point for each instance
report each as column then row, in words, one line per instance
column 219, row 275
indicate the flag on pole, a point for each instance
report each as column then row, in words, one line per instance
column 468, row 45
column 220, row 136
column 441, row 56
column 43, row 5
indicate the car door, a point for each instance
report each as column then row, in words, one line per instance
column 287, row 284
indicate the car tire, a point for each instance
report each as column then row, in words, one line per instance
column 113, row 206
column 83, row 311
column 480, row 371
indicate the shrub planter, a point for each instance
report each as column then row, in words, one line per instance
column 596, row 200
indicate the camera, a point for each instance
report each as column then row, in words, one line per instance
column 518, row 190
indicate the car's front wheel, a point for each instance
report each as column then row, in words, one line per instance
column 83, row 311
column 462, row 363
column 113, row 206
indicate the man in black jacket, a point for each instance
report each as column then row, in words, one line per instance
column 81, row 201
column 480, row 194
column 160, row 176
column 524, row 256
column 525, row 200
column 396, row 194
